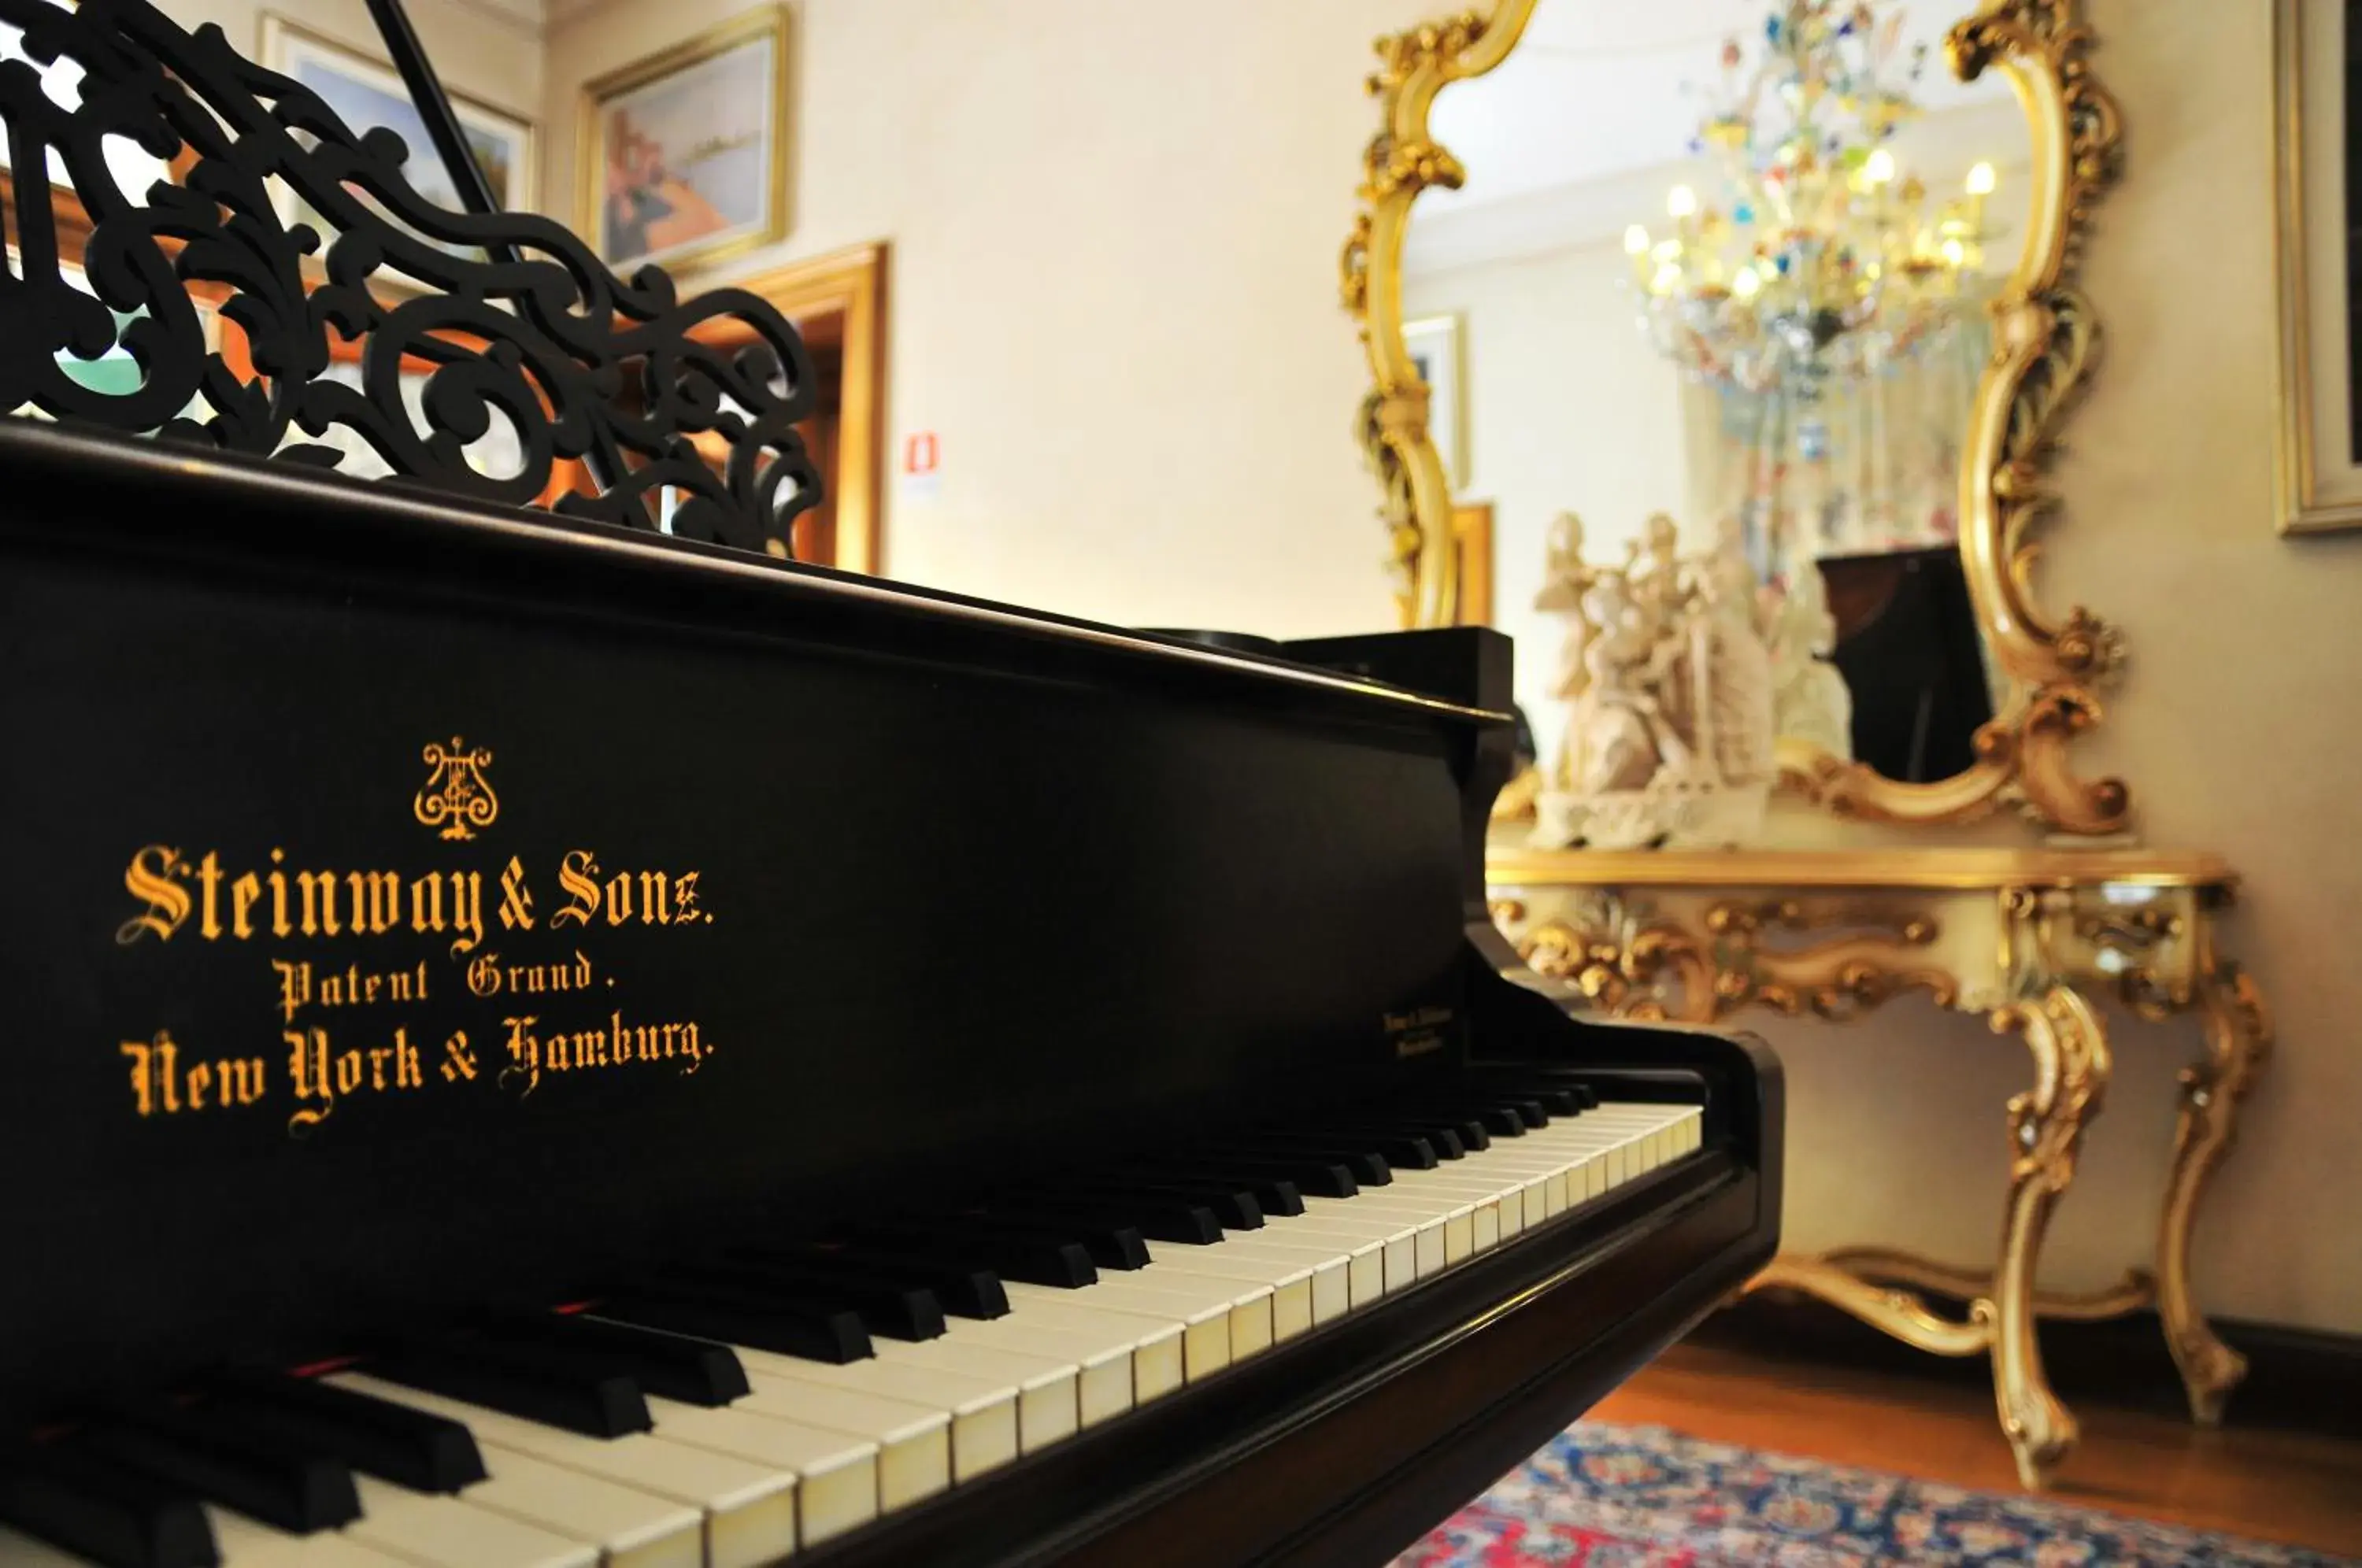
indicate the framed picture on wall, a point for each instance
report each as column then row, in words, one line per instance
column 2319, row 169
column 366, row 93
column 1437, row 354
column 684, row 154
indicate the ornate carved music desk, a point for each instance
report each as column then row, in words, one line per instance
column 2028, row 938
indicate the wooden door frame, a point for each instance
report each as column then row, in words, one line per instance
column 849, row 283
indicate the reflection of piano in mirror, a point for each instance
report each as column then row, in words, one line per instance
column 1912, row 659
column 546, row 1043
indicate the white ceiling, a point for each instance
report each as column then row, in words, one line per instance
column 1599, row 88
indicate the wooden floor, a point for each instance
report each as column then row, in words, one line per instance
column 2293, row 1487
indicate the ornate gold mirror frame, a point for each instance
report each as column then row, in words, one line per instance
column 2045, row 338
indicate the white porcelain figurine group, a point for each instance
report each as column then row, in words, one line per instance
column 1677, row 673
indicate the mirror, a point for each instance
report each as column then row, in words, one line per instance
column 1729, row 315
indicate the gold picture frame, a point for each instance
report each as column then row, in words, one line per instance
column 2046, row 340
column 1439, row 353
column 637, row 202
column 1472, row 534
column 2314, row 494
column 366, row 93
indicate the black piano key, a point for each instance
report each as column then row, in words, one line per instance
column 1324, row 1179
column 716, row 1312
column 1554, row 1090
column 1369, row 1167
column 1468, row 1131
column 886, row 1307
column 1232, row 1205
column 222, row 1456
column 1274, row 1194
column 1402, row 1148
column 411, row 1448
column 1110, row 1242
column 1445, row 1141
column 1157, row 1218
column 1499, row 1120
column 522, row 1380
column 96, row 1507
column 695, row 1372
column 962, row 1290
column 1034, row 1256
column 1276, row 1191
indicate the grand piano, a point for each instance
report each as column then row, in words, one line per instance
column 556, row 1036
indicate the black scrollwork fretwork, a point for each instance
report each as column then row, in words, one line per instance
column 574, row 359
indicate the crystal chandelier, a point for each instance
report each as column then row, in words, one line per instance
column 1825, row 261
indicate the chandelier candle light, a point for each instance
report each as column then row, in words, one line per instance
column 1824, row 263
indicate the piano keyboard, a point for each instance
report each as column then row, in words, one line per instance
column 613, row 1443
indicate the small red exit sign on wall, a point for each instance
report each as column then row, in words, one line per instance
column 922, row 464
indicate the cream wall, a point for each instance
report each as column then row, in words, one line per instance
column 488, row 48
column 1115, row 228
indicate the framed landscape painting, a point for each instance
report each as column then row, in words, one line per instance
column 2319, row 174
column 366, row 93
column 684, row 154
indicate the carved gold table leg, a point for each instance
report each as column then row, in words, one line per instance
column 2238, row 1040
column 2046, row 1126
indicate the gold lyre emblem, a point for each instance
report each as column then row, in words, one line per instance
column 457, row 797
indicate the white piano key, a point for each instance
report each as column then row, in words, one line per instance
column 1331, row 1267
column 20, row 1551
column 915, row 1440
column 1484, row 1198
column 631, row 1529
column 1102, row 1361
column 1510, row 1176
column 1290, row 1283
column 1330, row 1296
column 1205, row 1326
column 749, row 1509
column 1249, row 1305
column 249, row 1543
column 1425, row 1224
column 1446, row 1221
column 1401, row 1232
column 1382, row 1251
column 1158, row 1358
column 836, row 1473
column 983, row 1411
column 1621, row 1143
column 243, row 1543
column 449, row 1532
column 1504, row 1183
column 1048, row 1401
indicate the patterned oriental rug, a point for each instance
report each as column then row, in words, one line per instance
column 1610, row 1497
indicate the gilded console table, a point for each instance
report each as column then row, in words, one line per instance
column 2027, row 939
